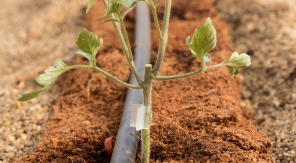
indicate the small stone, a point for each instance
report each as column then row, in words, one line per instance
column 28, row 143
column 10, row 149
column 39, row 128
column 286, row 154
column 20, row 131
column 11, row 138
column 282, row 136
column 10, row 154
column 23, row 136
column 292, row 153
column 17, row 143
column 19, row 153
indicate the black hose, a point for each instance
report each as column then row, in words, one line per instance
column 126, row 144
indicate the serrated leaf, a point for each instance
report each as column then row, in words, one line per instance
column 237, row 61
column 127, row 3
column 85, row 55
column 203, row 40
column 88, row 42
column 89, row 4
column 108, row 20
column 33, row 94
column 51, row 74
column 46, row 80
column 127, row 11
column 57, row 68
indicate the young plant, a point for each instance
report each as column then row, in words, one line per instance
column 201, row 43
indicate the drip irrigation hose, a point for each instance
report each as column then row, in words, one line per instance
column 125, row 149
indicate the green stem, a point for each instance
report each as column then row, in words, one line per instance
column 202, row 64
column 106, row 74
column 188, row 74
column 125, row 35
column 125, row 47
column 145, row 133
column 155, row 18
column 164, row 40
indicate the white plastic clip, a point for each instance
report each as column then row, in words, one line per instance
column 138, row 117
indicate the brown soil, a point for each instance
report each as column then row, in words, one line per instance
column 198, row 119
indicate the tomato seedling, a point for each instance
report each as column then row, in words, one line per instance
column 202, row 42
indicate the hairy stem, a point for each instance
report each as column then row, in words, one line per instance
column 106, row 74
column 155, row 18
column 125, row 47
column 164, row 40
column 188, row 74
column 123, row 29
column 145, row 133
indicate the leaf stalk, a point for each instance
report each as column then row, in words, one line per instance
column 125, row 46
column 163, row 78
column 155, row 18
column 127, row 85
column 164, row 40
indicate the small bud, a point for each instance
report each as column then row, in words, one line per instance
column 237, row 61
column 114, row 6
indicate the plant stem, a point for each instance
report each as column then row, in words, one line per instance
column 155, row 18
column 164, row 40
column 188, row 74
column 106, row 74
column 125, row 47
column 130, row 56
column 145, row 133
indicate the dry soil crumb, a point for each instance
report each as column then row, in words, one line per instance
column 266, row 31
column 33, row 35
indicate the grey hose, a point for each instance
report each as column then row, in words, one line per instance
column 125, row 149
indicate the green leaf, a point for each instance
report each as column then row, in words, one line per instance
column 232, row 71
column 33, row 94
column 114, row 6
column 203, row 40
column 108, row 20
column 127, row 11
column 127, row 3
column 88, row 42
column 89, row 4
column 46, row 80
column 51, row 74
column 86, row 55
column 237, row 61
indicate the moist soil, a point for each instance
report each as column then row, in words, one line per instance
column 197, row 119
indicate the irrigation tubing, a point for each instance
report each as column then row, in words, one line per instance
column 125, row 149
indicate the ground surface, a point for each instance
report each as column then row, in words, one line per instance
column 33, row 35
column 266, row 31
column 199, row 117
column 204, row 119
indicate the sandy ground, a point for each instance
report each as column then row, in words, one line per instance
column 33, row 35
column 266, row 31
